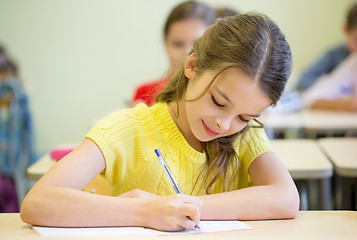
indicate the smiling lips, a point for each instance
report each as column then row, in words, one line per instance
column 209, row 131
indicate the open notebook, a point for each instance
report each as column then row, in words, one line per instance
column 206, row 226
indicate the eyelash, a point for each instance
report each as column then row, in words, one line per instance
column 243, row 119
column 221, row 106
column 215, row 102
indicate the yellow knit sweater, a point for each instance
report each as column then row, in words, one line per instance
column 127, row 139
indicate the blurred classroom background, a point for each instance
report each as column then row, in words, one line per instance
column 82, row 59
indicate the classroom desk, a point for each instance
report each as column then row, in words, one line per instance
column 311, row 122
column 343, row 154
column 40, row 167
column 288, row 124
column 307, row 225
column 305, row 161
column 329, row 122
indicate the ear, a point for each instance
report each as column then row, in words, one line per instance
column 190, row 65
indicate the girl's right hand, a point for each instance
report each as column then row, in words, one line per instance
column 172, row 213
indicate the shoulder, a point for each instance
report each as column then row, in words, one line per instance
column 338, row 51
column 152, row 85
column 127, row 115
column 252, row 143
column 254, row 135
column 147, row 92
column 127, row 127
column 148, row 85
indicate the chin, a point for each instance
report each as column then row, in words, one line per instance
column 202, row 137
column 206, row 138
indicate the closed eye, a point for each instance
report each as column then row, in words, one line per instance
column 243, row 119
column 215, row 102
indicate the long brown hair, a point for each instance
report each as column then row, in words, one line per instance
column 252, row 43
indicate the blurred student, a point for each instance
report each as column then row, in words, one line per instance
column 330, row 84
column 15, row 136
column 185, row 23
column 335, row 91
column 333, row 57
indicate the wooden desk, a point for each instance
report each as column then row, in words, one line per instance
column 343, row 153
column 305, row 161
column 308, row 225
column 99, row 185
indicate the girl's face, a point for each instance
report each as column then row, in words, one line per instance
column 180, row 38
column 231, row 102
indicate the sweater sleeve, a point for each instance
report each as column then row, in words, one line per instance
column 113, row 137
column 254, row 143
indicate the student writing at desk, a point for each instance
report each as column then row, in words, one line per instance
column 204, row 125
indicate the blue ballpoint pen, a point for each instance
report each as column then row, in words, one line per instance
column 170, row 176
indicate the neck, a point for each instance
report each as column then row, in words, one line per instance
column 178, row 114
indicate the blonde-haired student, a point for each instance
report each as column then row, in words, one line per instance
column 204, row 123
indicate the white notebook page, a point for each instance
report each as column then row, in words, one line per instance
column 206, row 226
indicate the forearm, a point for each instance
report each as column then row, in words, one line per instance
column 64, row 207
column 253, row 203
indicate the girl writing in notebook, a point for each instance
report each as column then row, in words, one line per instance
column 204, row 123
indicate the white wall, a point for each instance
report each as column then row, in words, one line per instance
column 81, row 59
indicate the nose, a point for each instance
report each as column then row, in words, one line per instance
column 230, row 123
column 223, row 123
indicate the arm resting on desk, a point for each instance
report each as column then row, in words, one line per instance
column 57, row 199
column 273, row 196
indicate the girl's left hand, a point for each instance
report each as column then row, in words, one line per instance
column 137, row 193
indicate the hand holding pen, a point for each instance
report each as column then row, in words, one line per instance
column 171, row 213
column 174, row 183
